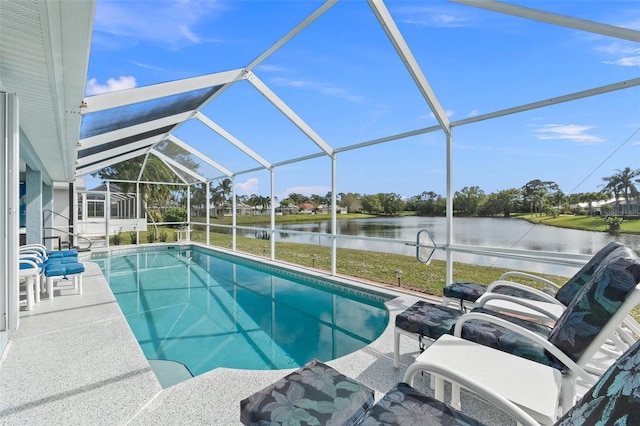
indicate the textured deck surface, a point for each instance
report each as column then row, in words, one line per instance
column 74, row 360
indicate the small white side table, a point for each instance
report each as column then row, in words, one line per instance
column 184, row 235
column 532, row 386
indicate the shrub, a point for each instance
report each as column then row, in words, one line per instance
column 151, row 237
column 134, row 237
column 163, row 236
column 175, row 214
column 116, row 238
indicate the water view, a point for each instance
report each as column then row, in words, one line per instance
column 487, row 232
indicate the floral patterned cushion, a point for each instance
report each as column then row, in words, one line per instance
column 615, row 398
column 567, row 292
column 428, row 319
column 472, row 291
column 315, row 394
column 500, row 338
column 404, row 405
column 596, row 302
column 580, row 323
column 536, row 327
column 464, row 291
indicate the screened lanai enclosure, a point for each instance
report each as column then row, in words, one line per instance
column 201, row 140
column 175, row 134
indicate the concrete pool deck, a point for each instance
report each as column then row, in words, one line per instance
column 75, row 361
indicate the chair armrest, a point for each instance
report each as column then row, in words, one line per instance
column 532, row 277
column 517, row 300
column 30, row 262
column 488, row 394
column 35, row 257
column 536, row 338
column 34, row 247
column 523, row 287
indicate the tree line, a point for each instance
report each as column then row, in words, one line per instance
column 536, row 196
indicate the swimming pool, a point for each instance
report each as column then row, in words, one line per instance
column 206, row 309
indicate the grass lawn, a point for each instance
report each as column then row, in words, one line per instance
column 372, row 266
column 584, row 223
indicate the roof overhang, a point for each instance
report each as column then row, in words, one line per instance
column 44, row 57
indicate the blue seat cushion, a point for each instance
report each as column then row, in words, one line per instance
column 315, row 394
column 405, row 406
column 59, row 260
column 464, row 291
column 27, row 266
column 428, row 319
column 62, row 253
column 63, row 269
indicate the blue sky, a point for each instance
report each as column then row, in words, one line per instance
column 342, row 76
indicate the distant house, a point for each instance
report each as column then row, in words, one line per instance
column 287, row 210
column 241, row 210
column 619, row 208
column 121, row 213
column 307, row 208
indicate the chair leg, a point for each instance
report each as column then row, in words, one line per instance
column 455, row 396
column 396, row 348
column 28, row 282
column 568, row 393
column 50, row 287
column 79, row 278
column 37, row 288
column 438, row 391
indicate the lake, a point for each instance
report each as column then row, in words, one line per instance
column 486, row 232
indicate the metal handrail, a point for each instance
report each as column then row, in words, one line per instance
column 55, row 213
column 72, row 234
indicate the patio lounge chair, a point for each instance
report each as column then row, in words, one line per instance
column 46, row 254
column 614, row 399
column 64, row 271
column 522, row 300
column 589, row 320
column 30, row 271
column 54, row 265
column 551, row 300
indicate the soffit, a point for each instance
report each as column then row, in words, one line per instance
column 44, row 53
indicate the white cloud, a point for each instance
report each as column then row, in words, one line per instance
column 270, row 68
column 112, row 85
column 173, row 24
column 323, row 88
column 248, row 187
column 571, row 132
column 627, row 55
column 433, row 16
column 628, row 61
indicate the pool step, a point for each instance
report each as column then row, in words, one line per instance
column 168, row 372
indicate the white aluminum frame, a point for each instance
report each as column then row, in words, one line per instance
column 387, row 23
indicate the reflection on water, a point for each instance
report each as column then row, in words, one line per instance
column 485, row 232
column 207, row 311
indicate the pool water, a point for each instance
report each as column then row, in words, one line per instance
column 208, row 310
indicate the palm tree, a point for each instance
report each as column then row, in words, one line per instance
column 614, row 188
column 626, row 181
column 220, row 194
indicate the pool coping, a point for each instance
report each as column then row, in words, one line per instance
column 74, row 360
